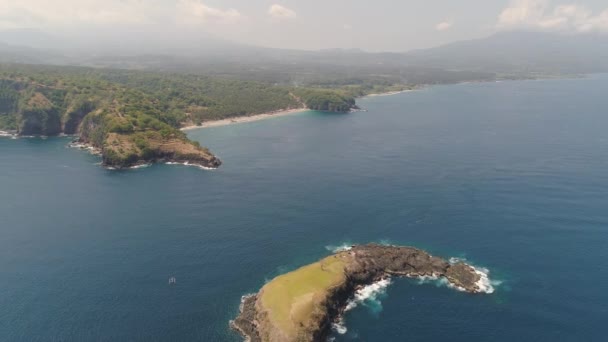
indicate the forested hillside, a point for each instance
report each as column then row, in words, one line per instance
column 134, row 117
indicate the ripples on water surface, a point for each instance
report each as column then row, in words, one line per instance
column 511, row 176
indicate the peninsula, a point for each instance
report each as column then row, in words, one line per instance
column 134, row 117
column 303, row 304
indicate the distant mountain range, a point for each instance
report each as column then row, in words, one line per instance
column 516, row 54
column 521, row 52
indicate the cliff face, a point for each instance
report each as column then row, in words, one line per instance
column 284, row 311
column 126, row 150
column 39, row 116
column 74, row 116
column 133, row 117
column 123, row 150
column 126, row 129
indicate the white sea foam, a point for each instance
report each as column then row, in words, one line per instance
column 340, row 248
column 368, row 296
column 339, row 326
column 427, row 278
column 188, row 164
column 141, row 166
column 455, row 260
column 369, row 293
column 244, row 298
column 437, row 280
column 484, row 284
column 85, row 147
column 5, row 134
column 386, row 242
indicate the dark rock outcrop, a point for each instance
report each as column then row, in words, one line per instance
column 74, row 116
column 365, row 265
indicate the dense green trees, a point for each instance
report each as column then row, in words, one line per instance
column 195, row 99
column 9, row 98
column 326, row 100
column 135, row 116
column 134, row 101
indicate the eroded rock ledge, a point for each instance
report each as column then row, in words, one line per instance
column 301, row 305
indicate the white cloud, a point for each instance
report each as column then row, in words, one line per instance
column 111, row 13
column 38, row 13
column 538, row 14
column 196, row 12
column 444, row 26
column 281, row 12
column 522, row 13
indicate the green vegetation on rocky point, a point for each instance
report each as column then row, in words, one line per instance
column 293, row 299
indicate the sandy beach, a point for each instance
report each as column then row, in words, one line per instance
column 392, row 93
column 243, row 119
column 257, row 117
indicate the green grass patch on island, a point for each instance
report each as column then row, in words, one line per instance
column 292, row 299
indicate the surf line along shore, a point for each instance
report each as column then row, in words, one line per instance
column 304, row 304
column 274, row 114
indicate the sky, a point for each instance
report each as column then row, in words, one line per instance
column 378, row 25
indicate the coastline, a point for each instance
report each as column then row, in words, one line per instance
column 390, row 93
column 244, row 119
column 338, row 283
column 87, row 147
column 274, row 114
column 8, row 134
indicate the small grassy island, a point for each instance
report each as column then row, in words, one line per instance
column 134, row 117
column 301, row 305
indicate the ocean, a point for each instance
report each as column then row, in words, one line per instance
column 511, row 176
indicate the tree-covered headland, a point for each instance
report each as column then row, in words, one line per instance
column 135, row 117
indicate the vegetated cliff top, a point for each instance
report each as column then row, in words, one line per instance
column 134, row 117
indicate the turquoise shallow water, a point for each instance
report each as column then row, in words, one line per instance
column 511, row 176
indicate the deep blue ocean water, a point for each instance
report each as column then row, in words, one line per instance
column 512, row 176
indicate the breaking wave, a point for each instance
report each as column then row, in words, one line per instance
column 368, row 296
column 188, row 164
column 347, row 246
column 437, row 280
column 141, row 166
column 4, row 134
column 340, row 248
column 85, row 147
column 339, row 326
column 485, row 284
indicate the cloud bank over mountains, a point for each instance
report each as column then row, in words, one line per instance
column 281, row 12
column 542, row 15
column 311, row 24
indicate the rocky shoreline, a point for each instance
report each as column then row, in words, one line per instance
column 206, row 163
column 364, row 265
column 8, row 134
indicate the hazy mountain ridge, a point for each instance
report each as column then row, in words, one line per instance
column 521, row 51
column 502, row 55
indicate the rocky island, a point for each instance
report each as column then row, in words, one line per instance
column 303, row 304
